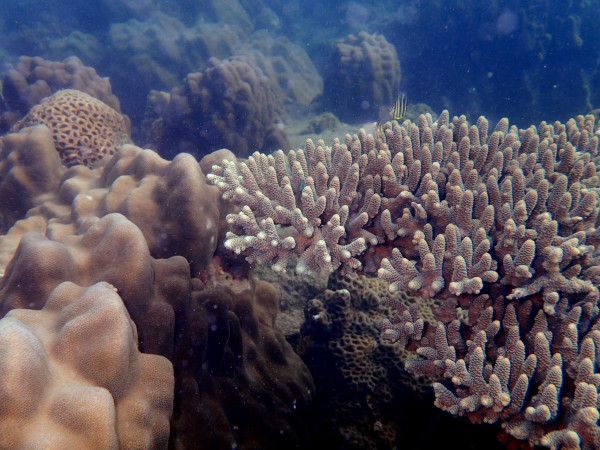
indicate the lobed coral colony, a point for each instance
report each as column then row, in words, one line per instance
column 120, row 301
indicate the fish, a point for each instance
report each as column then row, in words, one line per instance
column 379, row 129
column 398, row 109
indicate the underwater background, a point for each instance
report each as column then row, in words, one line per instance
column 221, row 346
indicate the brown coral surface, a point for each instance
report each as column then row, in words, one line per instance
column 169, row 201
column 232, row 376
column 361, row 76
column 85, row 129
column 229, row 104
column 34, row 78
column 72, row 376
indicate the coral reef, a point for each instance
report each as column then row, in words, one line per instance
column 230, row 104
column 85, row 129
column 292, row 75
column 366, row 398
column 320, row 123
column 32, row 79
column 169, row 201
column 156, row 53
column 445, row 201
column 361, row 76
column 500, row 225
column 72, row 375
column 236, row 379
column 240, row 382
column 89, row 48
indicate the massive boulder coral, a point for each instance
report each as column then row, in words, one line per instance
column 291, row 74
column 361, row 76
column 111, row 249
column 30, row 167
column 72, row 376
column 157, row 52
column 240, row 383
column 170, row 201
column 85, row 129
column 230, row 104
column 34, row 78
column 501, row 225
column 237, row 381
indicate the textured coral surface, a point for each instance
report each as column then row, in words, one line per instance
column 85, row 129
column 225, row 373
column 33, row 79
column 169, row 201
column 366, row 398
column 229, row 104
column 500, row 226
column 72, row 376
column 361, row 75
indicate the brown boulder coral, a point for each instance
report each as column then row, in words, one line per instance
column 228, row 105
column 178, row 213
column 361, row 76
column 34, row 78
column 72, row 376
column 30, row 167
column 85, row 129
column 237, row 379
column 110, row 249
column 241, row 384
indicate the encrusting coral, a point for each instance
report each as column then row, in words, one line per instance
column 501, row 225
column 366, row 398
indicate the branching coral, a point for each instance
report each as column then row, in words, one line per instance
column 444, row 204
column 501, row 224
column 326, row 231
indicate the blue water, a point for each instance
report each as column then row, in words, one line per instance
column 530, row 61
column 526, row 60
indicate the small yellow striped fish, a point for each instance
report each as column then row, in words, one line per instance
column 379, row 128
column 398, row 109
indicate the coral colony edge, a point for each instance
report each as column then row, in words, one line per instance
column 471, row 250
